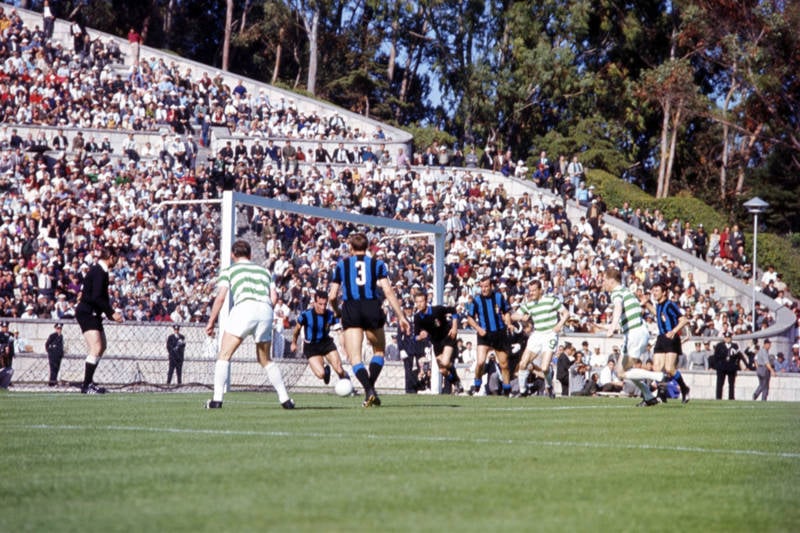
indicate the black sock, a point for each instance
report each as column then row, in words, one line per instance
column 681, row 383
column 362, row 376
column 375, row 367
column 88, row 374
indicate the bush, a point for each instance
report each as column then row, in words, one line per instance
column 772, row 249
column 424, row 137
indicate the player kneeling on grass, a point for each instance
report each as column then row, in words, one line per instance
column 253, row 297
column 317, row 342
column 439, row 323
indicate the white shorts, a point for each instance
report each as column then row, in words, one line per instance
column 250, row 318
column 636, row 342
column 542, row 341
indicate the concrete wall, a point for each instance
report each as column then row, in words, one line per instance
column 137, row 353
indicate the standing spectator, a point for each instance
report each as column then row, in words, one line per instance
column 48, row 20
column 566, row 358
column 95, row 302
column 55, row 353
column 392, row 352
column 360, row 276
column 701, row 243
column 575, row 172
column 6, row 355
column 176, row 346
column 765, row 369
column 725, row 361
column 135, row 41
column 253, row 292
column 698, row 357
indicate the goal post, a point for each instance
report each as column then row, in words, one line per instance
column 232, row 200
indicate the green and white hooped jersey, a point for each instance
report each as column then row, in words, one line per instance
column 247, row 281
column 631, row 316
column 543, row 312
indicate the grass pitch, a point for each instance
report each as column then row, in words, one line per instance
column 159, row 462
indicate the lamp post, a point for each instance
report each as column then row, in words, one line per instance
column 755, row 206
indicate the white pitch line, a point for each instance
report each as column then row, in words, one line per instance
column 417, row 438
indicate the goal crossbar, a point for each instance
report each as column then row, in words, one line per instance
column 405, row 229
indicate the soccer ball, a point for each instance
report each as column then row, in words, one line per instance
column 344, row 387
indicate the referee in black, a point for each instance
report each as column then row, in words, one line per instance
column 94, row 302
column 359, row 277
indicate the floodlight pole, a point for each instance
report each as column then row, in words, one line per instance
column 755, row 206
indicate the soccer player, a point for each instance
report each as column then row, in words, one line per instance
column 671, row 321
column 489, row 314
column 317, row 342
column 627, row 318
column 439, row 323
column 359, row 277
column 253, row 297
column 94, row 303
column 548, row 316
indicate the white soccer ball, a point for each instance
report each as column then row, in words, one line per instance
column 343, row 387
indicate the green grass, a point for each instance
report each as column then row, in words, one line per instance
column 158, row 462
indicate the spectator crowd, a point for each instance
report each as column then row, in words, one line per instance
column 64, row 197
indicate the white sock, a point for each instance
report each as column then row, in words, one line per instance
column 522, row 378
column 227, row 387
column 92, row 359
column 647, row 394
column 221, row 370
column 641, row 373
column 276, row 378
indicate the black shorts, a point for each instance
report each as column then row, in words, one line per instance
column 439, row 346
column 666, row 345
column 497, row 340
column 364, row 314
column 323, row 348
column 88, row 321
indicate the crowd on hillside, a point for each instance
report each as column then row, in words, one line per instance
column 56, row 212
column 44, row 82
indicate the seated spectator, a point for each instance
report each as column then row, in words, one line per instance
column 608, row 380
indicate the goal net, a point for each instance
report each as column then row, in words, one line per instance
column 300, row 245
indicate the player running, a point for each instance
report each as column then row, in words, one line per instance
column 627, row 318
column 548, row 315
column 439, row 323
column 318, row 344
column 671, row 321
column 489, row 314
column 360, row 276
